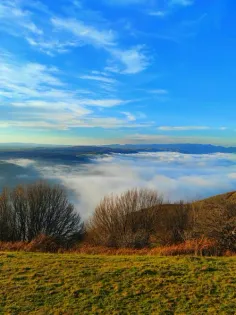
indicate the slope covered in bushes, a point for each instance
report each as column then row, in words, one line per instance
column 39, row 217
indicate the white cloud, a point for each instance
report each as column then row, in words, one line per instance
column 51, row 47
column 129, row 116
column 181, row 2
column 103, row 102
column 186, row 128
column 160, row 14
column 125, row 2
column 174, row 175
column 134, row 60
column 182, row 128
column 70, row 103
column 86, row 33
column 100, row 78
column 51, row 34
column 26, row 78
column 232, row 175
column 39, row 99
column 49, row 120
column 39, row 125
column 159, row 91
column 13, row 17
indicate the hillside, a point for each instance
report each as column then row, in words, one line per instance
column 168, row 207
column 230, row 196
column 79, row 284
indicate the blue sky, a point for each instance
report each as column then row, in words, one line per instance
column 117, row 71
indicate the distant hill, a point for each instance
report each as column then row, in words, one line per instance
column 188, row 148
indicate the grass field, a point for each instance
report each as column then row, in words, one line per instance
column 32, row 283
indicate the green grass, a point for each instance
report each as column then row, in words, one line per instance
column 75, row 284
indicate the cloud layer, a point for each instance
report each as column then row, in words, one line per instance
column 176, row 176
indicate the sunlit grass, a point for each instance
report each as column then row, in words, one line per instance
column 32, row 283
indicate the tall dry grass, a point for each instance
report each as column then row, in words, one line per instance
column 197, row 247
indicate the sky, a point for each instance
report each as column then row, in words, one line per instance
column 117, row 71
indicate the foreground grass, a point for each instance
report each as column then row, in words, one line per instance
column 78, row 284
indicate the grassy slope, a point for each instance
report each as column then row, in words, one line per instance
column 74, row 284
column 230, row 196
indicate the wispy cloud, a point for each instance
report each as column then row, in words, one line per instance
column 98, row 78
column 124, row 2
column 87, row 34
column 188, row 128
column 26, row 79
column 159, row 91
column 184, row 3
column 13, row 17
column 49, row 122
column 182, row 128
column 56, row 34
column 51, row 47
column 168, row 8
column 158, row 13
column 40, row 99
column 103, row 102
column 131, row 61
column 130, row 116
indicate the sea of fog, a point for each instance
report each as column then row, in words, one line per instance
column 176, row 176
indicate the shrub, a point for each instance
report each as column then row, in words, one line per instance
column 218, row 222
column 173, row 223
column 13, row 246
column 31, row 210
column 43, row 243
column 120, row 221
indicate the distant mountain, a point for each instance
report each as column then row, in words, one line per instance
column 68, row 154
column 18, row 145
column 74, row 154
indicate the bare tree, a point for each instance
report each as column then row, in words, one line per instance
column 218, row 222
column 173, row 223
column 42, row 209
column 6, row 218
column 126, row 220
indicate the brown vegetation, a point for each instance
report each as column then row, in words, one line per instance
column 29, row 211
column 121, row 221
column 217, row 221
column 39, row 217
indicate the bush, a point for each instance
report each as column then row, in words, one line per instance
column 120, row 221
column 173, row 223
column 44, row 243
column 218, row 222
column 29, row 211
column 13, row 246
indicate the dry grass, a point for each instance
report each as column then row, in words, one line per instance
column 202, row 247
